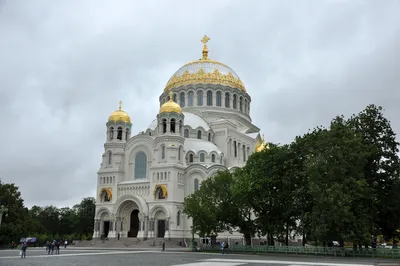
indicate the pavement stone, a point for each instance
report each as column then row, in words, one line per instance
column 122, row 257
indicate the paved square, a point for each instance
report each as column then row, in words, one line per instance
column 92, row 257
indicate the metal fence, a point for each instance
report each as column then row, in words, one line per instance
column 315, row 251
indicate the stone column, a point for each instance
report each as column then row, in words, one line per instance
column 167, row 231
column 146, row 227
column 96, row 232
column 141, row 219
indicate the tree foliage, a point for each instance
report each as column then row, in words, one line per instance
column 339, row 183
column 44, row 223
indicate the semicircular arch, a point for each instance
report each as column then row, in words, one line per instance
column 102, row 210
column 157, row 208
column 140, row 202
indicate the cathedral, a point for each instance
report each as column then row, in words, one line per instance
column 203, row 126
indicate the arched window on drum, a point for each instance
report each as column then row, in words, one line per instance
column 140, row 165
column 182, row 99
column 219, row 100
column 190, row 98
column 196, row 185
column 200, row 98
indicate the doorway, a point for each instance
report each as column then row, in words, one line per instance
column 134, row 227
column 106, row 228
column 160, row 228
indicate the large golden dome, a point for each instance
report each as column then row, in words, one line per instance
column 170, row 106
column 119, row 115
column 205, row 71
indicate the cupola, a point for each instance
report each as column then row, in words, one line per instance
column 119, row 115
column 170, row 106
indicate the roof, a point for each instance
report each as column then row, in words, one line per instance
column 195, row 121
column 197, row 145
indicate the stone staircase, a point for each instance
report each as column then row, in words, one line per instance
column 126, row 243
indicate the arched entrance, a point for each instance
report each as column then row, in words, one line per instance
column 160, row 224
column 134, row 224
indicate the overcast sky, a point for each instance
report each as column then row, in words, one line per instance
column 64, row 65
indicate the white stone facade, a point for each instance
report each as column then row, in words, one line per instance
column 143, row 180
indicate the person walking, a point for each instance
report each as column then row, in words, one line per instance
column 24, row 247
column 57, row 244
column 163, row 246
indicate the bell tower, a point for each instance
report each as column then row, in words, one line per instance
column 169, row 163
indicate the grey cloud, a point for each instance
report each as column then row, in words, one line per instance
column 64, row 67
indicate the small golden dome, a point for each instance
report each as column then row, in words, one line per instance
column 119, row 115
column 170, row 106
column 262, row 145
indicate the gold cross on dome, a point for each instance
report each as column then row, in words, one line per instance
column 120, row 105
column 170, row 96
column 205, row 49
column 205, row 39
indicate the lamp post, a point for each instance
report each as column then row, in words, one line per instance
column 3, row 209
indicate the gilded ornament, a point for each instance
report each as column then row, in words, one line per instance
column 205, row 77
column 119, row 115
column 202, row 77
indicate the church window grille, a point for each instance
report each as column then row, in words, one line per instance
column 227, row 99
column 202, row 157
column 196, row 185
column 234, row 148
column 234, row 101
column 179, row 153
column 186, row 133
column 119, row 133
column 191, row 158
column 164, row 125
column 180, row 127
column 219, row 100
column 209, row 136
column 213, row 158
column 190, row 98
column 244, row 153
column 111, row 133
column 174, row 97
column 140, row 165
column 199, row 98
column 182, row 99
column 178, row 218
column 172, row 125
column 163, row 152
column 209, row 98
column 245, row 106
column 199, row 134
column 109, row 157
column 241, row 104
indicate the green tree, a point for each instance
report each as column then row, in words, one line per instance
column 267, row 183
column 382, row 168
column 336, row 181
column 85, row 212
column 15, row 223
